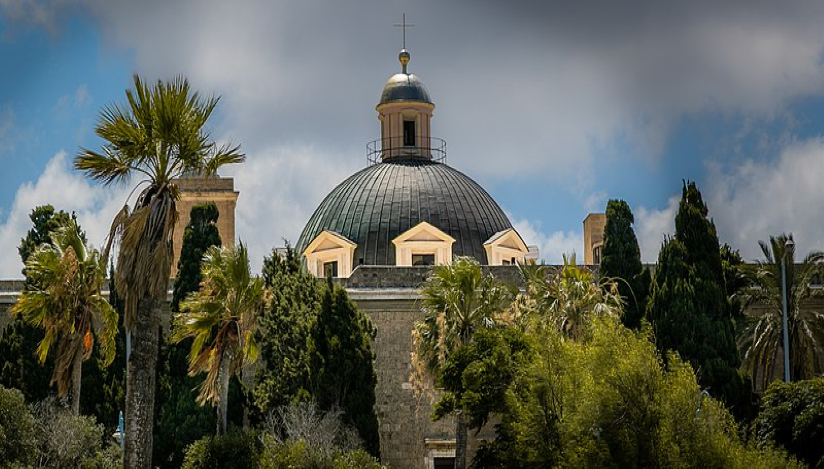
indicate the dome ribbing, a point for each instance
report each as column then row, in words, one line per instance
column 377, row 204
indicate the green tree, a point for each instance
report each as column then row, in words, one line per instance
column 65, row 300
column 621, row 261
column 46, row 221
column 21, row 369
column 608, row 400
column 221, row 317
column 457, row 301
column 200, row 234
column 477, row 376
column 763, row 340
column 343, row 371
column 315, row 345
column 792, row 416
column 179, row 419
column 159, row 135
column 285, row 333
column 688, row 307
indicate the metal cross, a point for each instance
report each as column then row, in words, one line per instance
column 404, row 26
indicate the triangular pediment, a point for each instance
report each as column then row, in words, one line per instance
column 423, row 232
column 328, row 240
column 507, row 239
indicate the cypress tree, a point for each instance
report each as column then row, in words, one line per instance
column 315, row 344
column 622, row 261
column 200, row 234
column 179, row 419
column 284, row 333
column 343, row 365
column 688, row 306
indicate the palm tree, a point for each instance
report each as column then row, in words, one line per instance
column 567, row 298
column 763, row 339
column 458, row 299
column 65, row 300
column 222, row 318
column 159, row 136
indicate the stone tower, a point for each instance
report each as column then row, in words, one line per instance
column 195, row 190
column 594, row 225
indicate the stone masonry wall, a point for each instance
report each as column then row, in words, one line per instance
column 406, row 430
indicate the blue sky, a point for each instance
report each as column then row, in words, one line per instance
column 554, row 108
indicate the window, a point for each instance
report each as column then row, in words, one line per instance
column 444, row 463
column 596, row 255
column 505, row 262
column 330, row 269
column 423, row 259
column 409, row 133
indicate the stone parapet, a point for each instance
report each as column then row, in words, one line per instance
column 393, row 277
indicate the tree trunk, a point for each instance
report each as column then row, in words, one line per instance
column 247, row 373
column 223, row 399
column 460, row 442
column 140, row 386
column 77, row 373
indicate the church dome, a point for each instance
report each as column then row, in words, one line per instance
column 404, row 87
column 384, row 200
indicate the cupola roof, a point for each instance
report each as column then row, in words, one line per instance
column 404, row 87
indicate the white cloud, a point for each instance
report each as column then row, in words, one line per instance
column 518, row 86
column 754, row 200
column 523, row 89
column 95, row 207
column 553, row 246
column 279, row 189
column 652, row 225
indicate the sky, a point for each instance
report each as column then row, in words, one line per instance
column 553, row 107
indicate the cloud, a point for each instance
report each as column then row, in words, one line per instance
column 518, row 85
column 756, row 199
column 68, row 104
column 553, row 246
column 94, row 206
column 652, row 226
column 524, row 90
column 47, row 14
column 279, row 188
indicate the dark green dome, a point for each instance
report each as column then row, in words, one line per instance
column 382, row 201
column 404, row 88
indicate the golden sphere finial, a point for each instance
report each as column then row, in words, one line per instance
column 403, row 57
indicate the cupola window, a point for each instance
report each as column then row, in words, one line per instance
column 409, row 133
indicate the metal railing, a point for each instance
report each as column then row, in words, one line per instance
column 393, row 147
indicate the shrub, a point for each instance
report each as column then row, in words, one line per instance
column 236, row 450
column 301, row 455
column 793, row 417
column 68, row 440
column 18, row 429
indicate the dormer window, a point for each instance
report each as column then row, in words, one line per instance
column 423, row 244
column 330, row 254
column 409, row 133
column 423, row 259
column 330, row 269
column 505, row 248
